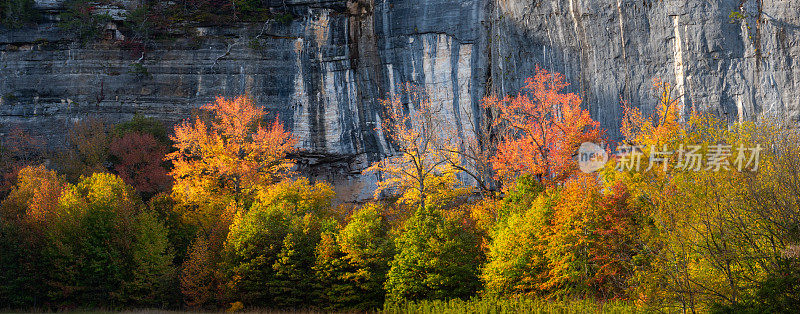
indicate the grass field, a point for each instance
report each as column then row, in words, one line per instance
column 484, row 305
column 489, row 305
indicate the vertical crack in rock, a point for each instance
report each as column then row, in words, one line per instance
column 583, row 48
column 301, row 129
column 625, row 92
column 366, row 64
column 312, row 61
column 678, row 65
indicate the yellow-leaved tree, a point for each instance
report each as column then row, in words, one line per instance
column 424, row 145
column 228, row 155
column 224, row 156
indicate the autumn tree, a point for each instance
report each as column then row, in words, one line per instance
column 352, row 264
column 139, row 162
column 137, row 151
column 87, row 149
column 103, row 249
column 230, row 155
column 516, row 260
column 712, row 236
column 153, row 279
column 269, row 254
column 198, row 280
column 417, row 131
column 540, row 129
column 662, row 126
column 18, row 150
column 25, row 215
column 616, row 245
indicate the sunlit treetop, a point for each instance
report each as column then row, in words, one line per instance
column 541, row 129
column 231, row 153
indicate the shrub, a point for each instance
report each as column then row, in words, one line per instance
column 82, row 20
column 139, row 71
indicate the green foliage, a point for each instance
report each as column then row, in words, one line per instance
column 140, row 71
column 17, row 280
column 250, row 10
column 82, row 21
column 269, row 255
column 517, row 262
column 332, row 291
column 99, row 249
column 298, row 197
column 284, row 18
column 436, row 259
column 737, row 16
column 140, row 22
column 778, row 294
column 18, row 13
column 179, row 232
column 521, row 196
column 351, row 267
column 24, row 217
column 153, row 281
column 720, row 241
column 90, row 241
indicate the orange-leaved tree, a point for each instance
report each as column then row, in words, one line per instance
column 223, row 157
column 424, row 148
column 540, row 130
column 230, row 154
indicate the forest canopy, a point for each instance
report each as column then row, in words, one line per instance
column 688, row 213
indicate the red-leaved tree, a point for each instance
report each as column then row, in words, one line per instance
column 140, row 162
column 540, row 130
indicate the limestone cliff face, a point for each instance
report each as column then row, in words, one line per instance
column 739, row 67
column 323, row 72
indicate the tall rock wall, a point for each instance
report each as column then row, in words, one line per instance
column 740, row 66
column 323, row 72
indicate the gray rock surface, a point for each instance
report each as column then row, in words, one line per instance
column 324, row 72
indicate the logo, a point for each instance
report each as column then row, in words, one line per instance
column 591, row 157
